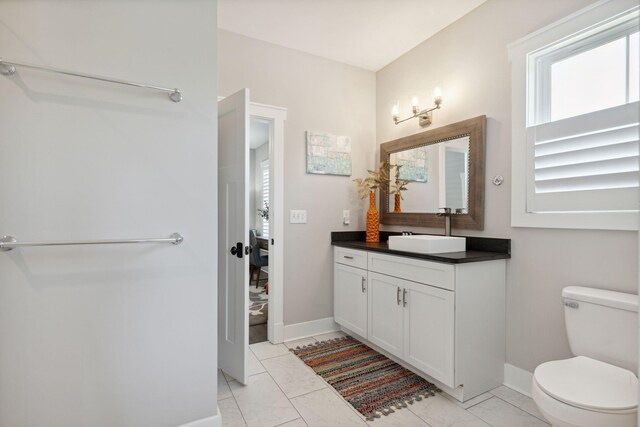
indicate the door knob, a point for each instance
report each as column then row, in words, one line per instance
column 237, row 249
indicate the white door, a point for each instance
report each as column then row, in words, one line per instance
column 386, row 314
column 233, row 233
column 428, row 330
column 350, row 298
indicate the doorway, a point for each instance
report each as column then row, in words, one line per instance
column 269, row 121
column 259, row 202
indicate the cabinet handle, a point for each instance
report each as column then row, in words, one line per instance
column 398, row 296
column 347, row 257
column 364, row 288
column 404, row 297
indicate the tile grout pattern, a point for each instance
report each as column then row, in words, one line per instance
column 284, row 392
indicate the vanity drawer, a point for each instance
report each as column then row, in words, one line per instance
column 431, row 273
column 350, row 257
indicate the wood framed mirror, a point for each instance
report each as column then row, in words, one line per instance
column 446, row 167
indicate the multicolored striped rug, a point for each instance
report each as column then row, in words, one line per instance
column 372, row 383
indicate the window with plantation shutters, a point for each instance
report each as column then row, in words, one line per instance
column 585, row 163
column 575, row 126
column 265, row 196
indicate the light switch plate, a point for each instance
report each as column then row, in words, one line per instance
column 297, row 216
column 346, row 220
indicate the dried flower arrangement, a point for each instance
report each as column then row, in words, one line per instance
column 398, row 185
column 376, row 180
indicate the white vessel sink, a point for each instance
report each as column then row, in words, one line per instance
column 427, row 244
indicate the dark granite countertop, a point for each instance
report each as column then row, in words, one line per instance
column 478, row 248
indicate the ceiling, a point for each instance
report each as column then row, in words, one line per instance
column 364, row 33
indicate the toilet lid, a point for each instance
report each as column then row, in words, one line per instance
column 589, row 384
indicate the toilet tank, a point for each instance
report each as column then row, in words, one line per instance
column 602, row 325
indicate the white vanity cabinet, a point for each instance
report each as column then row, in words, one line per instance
column 350, row 291
column 386, row 313
column 429, row 330
column 443, row 320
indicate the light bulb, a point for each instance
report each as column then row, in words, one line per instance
column 414, row 104
column 395, row 110
column 437, row 95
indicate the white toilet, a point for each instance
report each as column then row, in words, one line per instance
column 599, row 386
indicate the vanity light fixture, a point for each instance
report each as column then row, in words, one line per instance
column 425, row 116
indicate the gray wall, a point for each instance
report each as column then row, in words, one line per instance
column 320, row 95
column 469, row 60
column 108, row 335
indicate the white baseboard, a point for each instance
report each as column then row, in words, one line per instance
column 278, row 333
column 518, row 379
column 214, row 421
column 307, row 329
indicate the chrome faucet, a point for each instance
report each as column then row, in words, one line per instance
column 447, row 220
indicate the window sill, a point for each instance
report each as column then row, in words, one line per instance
column 578, row 220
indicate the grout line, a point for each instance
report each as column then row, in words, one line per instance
column 220, row 372
column 308, row 368
column 477, row 403
column 273, row 357
column 237, row 406
column 287, row 422
column 285, row 396
column 306, row 393
column 517, row 407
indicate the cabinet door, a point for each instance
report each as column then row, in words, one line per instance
column 428, row 330
column 350, row 298
column 385, row 312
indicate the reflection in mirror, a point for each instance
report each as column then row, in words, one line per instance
column 439, row 175
column 446, row 167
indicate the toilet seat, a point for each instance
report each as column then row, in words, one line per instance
column 560, row 414
column 589, row 384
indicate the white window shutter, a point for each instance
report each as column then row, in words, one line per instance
column 265, row 196
column 585, row 163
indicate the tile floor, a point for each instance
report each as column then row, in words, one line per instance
column 283, row 391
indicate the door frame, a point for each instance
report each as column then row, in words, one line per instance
column 276, row 116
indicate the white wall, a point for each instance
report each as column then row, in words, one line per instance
column 469, row 60
column 108, row 335
column 320, row 95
